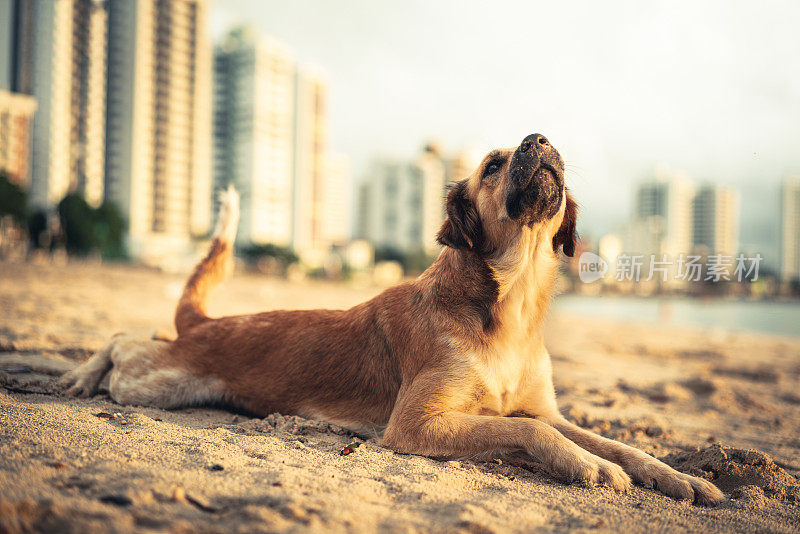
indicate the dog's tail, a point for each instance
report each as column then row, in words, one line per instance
column 217, row 264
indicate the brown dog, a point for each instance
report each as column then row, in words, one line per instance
column 452, row 364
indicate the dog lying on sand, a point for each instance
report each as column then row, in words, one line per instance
column 452, row 364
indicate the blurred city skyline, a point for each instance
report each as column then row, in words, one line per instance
column 348, row 122
column 708, row 89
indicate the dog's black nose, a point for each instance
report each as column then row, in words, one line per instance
column 532, row 141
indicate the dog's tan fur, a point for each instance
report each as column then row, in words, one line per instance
column 452, row 364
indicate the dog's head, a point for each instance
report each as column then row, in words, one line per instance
column 512, row 189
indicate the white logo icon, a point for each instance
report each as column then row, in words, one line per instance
column 591, row 267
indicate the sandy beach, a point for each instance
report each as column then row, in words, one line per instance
column 722, row 406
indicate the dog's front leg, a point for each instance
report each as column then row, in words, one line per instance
column 432, row 424
column 642, row 467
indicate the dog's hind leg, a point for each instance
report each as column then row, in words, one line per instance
column 147, row 373
column 84, row 379
column 142, row 372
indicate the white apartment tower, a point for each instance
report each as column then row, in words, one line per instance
column 662, row 217
column 432, row 169
column 158, row 165
column 716, row 220
column 55, row 51
column 790, row 229
column 390, row 206
column 463, row 163
column 322, row 185
column 254, row 132
column 401, row 204
column 335, row 207
column 310, row 159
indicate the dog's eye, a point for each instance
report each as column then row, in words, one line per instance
column 492, row 168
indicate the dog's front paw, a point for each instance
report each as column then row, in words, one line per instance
column 589, row 469
column 613, row 476
column 677, row 485
column 705, row 493
column 77, row 384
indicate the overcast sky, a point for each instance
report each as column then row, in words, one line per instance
column 708, row 88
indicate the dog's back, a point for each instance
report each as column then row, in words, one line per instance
column 327, row 364
column 338, row 365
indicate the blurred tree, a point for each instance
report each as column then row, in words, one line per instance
column 389, row 254
column 794, row 287
column 37, row 226
column 88, row 230
column 77, row 223
column 109, row 227
column 13, row 199
column 413, row 262
column 417, row 262
column 285, row 255
column 269, row 259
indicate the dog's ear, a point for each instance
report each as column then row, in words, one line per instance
column 566, row 236
column 462, row 228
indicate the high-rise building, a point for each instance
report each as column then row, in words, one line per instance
column 55, row 51
column 662, row 210
column 790, row 229
column 390, row 206
column 16, row 125
column 88, row 98
column 310, row 159
column 158, row 162
column 463, row 163
column 401, row 206
column 271, row 141
column 716, row 220
column 335, row 206
column 8, row 40
column 432, row 169
column 254, row 132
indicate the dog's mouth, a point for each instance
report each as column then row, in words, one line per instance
column 536, row 181
column 539, row 198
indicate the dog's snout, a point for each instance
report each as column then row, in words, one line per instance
column 535, row 176
column 533, row 140
column 526, row 160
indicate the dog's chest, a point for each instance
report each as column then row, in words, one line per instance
column 506, row 371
